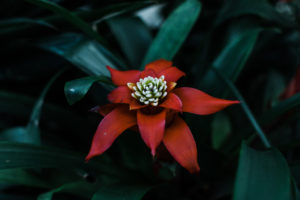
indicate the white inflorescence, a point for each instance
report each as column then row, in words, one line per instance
column 149, row 90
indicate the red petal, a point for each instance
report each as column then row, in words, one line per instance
column 159, row 65
column 134, row 105
column 198, row 102
column 152, row 128
column 123, row 77
column 110, row 128
column 106, row 109
column 172, row 74
column 293, row 87
column 148, row 72
column 180, row 143
column 172, row 102
column 121, row 94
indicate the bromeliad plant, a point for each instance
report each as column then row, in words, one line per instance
column 150, row 100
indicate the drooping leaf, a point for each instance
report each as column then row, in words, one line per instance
column 262, row 175
column 173, row 31
column 69, row 16
column 133, row 36
column 75, row 90
column 30, row 133
column 21, row 177
column 122, row 192
column 86, row 54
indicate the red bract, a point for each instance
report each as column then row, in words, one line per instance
column 149, row 100
column 293, row 87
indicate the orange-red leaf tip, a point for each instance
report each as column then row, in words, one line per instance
column 194, row 169
column 88, row 157
column 153, row 151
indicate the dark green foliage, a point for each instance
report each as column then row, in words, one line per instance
column 53, row 71
column 256, row 177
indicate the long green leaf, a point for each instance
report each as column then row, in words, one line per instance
column 173, row 31
column 246, row 109
column 122, row 192
column 262, row 175
column 12, row 23
column 75, row 90
column 232, row 58
column 80, row 188
column 30, row 133
column 18, row 155
column 71, row 17
column 84, row 53
column 23, row 29
column 133, row 36
column 21, row 155
column 21, row 177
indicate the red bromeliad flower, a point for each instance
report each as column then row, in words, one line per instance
column 149, row 100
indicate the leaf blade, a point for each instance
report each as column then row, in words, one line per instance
column 122, row 192
column 174, row 31
column 262, row 175
column 76, row 89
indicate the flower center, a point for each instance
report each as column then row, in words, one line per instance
column 149, row 90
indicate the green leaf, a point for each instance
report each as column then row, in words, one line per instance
column 240, row 44
column 21, row 155
column 80, row 188
column 221, row 129
column 88, row 15
column 69, row 16
column 133, row 36
column 13, row 22
column 281, row 108
column 246, row 109
column 173, row 31
column 21, row 134
column 30, row 133
column 75, row 90
column 122, row 192
column 260, row 8
column 21, row 177
column 86, row 54
column 262, row 175
column 274, row 87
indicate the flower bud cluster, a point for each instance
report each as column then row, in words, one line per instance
column 149, row 90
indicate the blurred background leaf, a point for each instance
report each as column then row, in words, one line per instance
column 254, row 44
column 173, row 31
column 262, row 175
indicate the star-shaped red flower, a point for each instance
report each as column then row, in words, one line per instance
column 149, row 100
